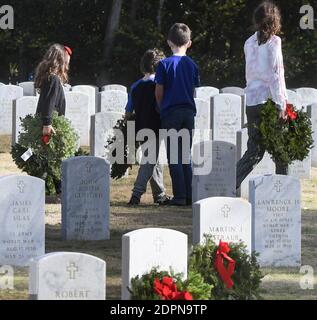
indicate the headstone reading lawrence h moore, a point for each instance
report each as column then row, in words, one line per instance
column 276, row 220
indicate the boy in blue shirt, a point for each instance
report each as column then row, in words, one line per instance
column 176, row 79
column 142, row 102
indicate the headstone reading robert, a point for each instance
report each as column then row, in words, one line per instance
column 67, row 276
column 276, row 220
column 149, row 248
column 221, row 180
column 85, row 199
column 22, row 225
column 226, row 219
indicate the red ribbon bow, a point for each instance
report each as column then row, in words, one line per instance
column 167, row 290
column 46, row 139
column 224, row 273
column 291, row 113
column 68, row 50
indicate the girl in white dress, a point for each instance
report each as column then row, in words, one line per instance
column 265, row 79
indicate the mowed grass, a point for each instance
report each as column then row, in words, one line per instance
column 278, row 283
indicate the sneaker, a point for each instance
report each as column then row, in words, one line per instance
column 134, row 201
column 162, row 200
column 174, row 202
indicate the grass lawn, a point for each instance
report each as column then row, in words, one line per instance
column 281, row 283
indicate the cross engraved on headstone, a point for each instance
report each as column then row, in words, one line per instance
column 225, row 210
column 21, row 186
column 88, row 167
column 158, row 242
column 227, row 101
column 277, row 186
column 72, row 269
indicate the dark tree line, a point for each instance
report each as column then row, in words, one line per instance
column 109, row 36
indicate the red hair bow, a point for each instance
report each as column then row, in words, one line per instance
column 68, row 50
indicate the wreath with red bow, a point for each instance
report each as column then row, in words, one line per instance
column 286, row 140
column 232, row 272
column 164, row 285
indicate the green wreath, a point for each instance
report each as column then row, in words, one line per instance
column 246, row 276
column 46, row 161
column 286, row 140
column 145, row 287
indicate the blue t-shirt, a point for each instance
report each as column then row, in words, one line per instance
column 130, row 107
column 179, row 75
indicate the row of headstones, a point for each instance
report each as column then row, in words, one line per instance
column 269, row 224
column 80, row 106
column 214, row 164
column 219, row 116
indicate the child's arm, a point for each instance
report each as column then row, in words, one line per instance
column 277, row 83
column 159, row 93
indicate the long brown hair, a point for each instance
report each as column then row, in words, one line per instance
column 267, row 21
column 55, row 61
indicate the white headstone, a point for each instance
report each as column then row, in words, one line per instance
column 92, row 93
column 67, row 276
column 150, row 248
column 205, row 93
column 225, row 117
column 21, row 108
column 77, row 111
column 67, row 87
column 307, row 96
column 276, row 220
column 221, row 180
column 102, row 124
column 202, row 122
column 233, row 90
column 226, row 219
column 22, row 225
column 112, row 101
column 114, row 87
column 239, row 92
column 85, row 199
column 312, row 111
column 301, row 169
column 294, row 99
column 7, row 95
column 28, row 88
column 266, row 166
